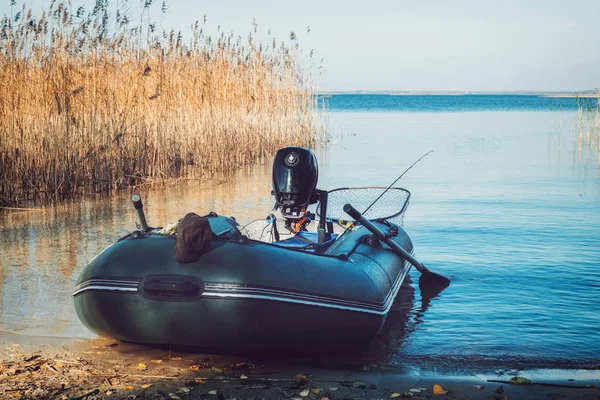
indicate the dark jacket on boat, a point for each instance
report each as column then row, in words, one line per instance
column 193, row 236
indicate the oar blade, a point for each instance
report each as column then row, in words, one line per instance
column 432, row 284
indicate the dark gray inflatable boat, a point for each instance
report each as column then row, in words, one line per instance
column 313, row 288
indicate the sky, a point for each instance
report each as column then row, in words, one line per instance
column 417, row 45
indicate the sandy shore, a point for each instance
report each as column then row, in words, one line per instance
column 37, row 367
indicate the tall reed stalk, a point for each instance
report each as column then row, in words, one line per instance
column 89, row 103
column 589, row 121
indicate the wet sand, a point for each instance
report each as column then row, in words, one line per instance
column 42, row 367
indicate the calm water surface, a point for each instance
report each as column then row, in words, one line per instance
column 507, row 206
column 456, row 103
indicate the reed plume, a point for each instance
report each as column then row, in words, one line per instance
column 90, row 103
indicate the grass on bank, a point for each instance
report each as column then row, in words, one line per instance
column 89, row 102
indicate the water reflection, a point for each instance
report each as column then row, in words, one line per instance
column 399, row 324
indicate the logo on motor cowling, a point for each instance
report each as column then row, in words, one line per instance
column 292, row 159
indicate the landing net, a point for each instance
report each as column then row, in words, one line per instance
column 391, row 206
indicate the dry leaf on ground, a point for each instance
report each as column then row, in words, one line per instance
column 517, row 380
column 438, row 390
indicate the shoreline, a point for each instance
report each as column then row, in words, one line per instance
column 567, row 96
column 408, row 94
column 104, row 368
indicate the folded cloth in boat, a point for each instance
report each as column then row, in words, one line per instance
column 169, row 229
column 193, row 236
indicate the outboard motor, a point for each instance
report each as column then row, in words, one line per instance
column 295, row 175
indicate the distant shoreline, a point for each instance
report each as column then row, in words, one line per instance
column 542, row 94
column 584, row 96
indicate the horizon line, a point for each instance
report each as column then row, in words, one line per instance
column 595, row 92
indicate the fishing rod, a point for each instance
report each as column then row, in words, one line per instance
column 397, row 179
column 429, row 281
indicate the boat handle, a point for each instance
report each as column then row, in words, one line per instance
column 171, row 287
column 158, row 287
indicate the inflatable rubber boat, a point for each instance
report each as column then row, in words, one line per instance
column 262, row 285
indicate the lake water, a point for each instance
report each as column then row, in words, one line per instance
column 507, row 206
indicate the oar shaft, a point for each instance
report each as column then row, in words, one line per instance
column 354, row 213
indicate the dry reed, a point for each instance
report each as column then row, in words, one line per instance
column 589, row 121
column 89, row 103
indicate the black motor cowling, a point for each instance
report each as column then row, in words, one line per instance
column 295, row 175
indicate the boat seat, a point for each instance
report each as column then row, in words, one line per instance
column 303, row 239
